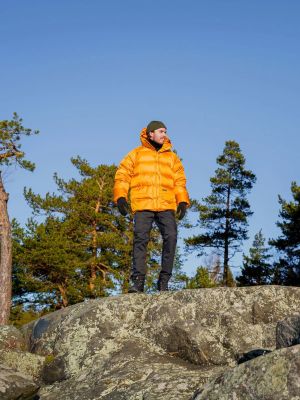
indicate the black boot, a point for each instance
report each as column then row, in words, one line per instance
column 162, row 284
column 137, row 285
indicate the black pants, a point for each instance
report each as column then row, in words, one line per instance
column 143, row 220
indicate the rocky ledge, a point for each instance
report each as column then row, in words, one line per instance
column 171, row 345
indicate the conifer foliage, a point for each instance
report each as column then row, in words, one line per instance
column 11, row 133
column 287, row 268
column 257, row 267
column 47, row 265
column 223, row 215
column 90, row 233
column 201, row 279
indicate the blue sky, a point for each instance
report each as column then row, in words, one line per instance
column 90, row 74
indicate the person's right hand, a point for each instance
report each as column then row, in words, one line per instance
column 122, row 206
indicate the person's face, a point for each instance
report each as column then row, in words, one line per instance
column 158, row 135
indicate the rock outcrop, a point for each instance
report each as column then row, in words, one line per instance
column 15, row 385
column 171, row 345
column 274, row 376
column 288, row 332
column 11, row 338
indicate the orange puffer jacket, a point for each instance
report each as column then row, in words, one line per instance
column 156, row 179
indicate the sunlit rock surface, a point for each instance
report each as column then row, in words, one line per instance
column 161, row 346
column 275, row 376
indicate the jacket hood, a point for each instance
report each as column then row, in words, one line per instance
column 167, row 145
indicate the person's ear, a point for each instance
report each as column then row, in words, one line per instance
column 150, row 135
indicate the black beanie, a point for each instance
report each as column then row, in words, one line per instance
column 153, row 125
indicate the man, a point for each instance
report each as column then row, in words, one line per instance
column 155, row 176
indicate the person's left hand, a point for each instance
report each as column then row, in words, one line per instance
column 181, row 210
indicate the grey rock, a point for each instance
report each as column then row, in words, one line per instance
column 24, row 362
column 161, row 346
column 15, row 385
column 40, row 329
column 11, row 338
column 288, row 332
column 135, row 371
column 274, row 376
column 54, row 371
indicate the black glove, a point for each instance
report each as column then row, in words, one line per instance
column 122, row 206
column 181, row 210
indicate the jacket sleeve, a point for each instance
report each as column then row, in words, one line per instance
column 180, row 190
column 123, row 176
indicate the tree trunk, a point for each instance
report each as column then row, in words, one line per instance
column 5, row 258
column 93, row 265
column 63, row 293
column 226, row 241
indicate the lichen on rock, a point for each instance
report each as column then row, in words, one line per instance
column 162, row 346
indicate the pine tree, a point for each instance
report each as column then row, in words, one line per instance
column 223, row 215
column 10, row 154
column 257, row 269
column 201, row 279
column 86, row 208
column 47, row 265
column 287, row 269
